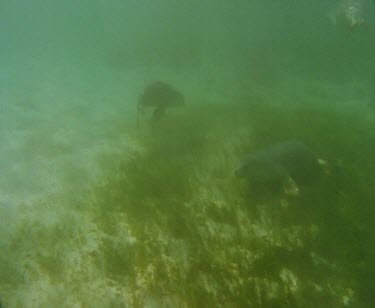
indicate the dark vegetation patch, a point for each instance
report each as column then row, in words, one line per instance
column 212, row 243
column 161, row 186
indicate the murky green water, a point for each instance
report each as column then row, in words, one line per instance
column 97, row 212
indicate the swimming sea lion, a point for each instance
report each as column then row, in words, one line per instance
column 282, row 166
column 160, row 96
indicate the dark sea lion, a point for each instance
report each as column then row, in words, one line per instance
column 282, row 166
column 160, row 96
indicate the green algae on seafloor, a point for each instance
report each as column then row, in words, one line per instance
column 172, row 226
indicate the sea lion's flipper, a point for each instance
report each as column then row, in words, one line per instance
column 325, row 167
column 140, row 112
column 290, row 187
column 158, row 114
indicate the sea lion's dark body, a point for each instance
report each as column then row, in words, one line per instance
column 160, row 96
column 274, row 166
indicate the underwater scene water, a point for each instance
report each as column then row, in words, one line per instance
column 160, row 153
